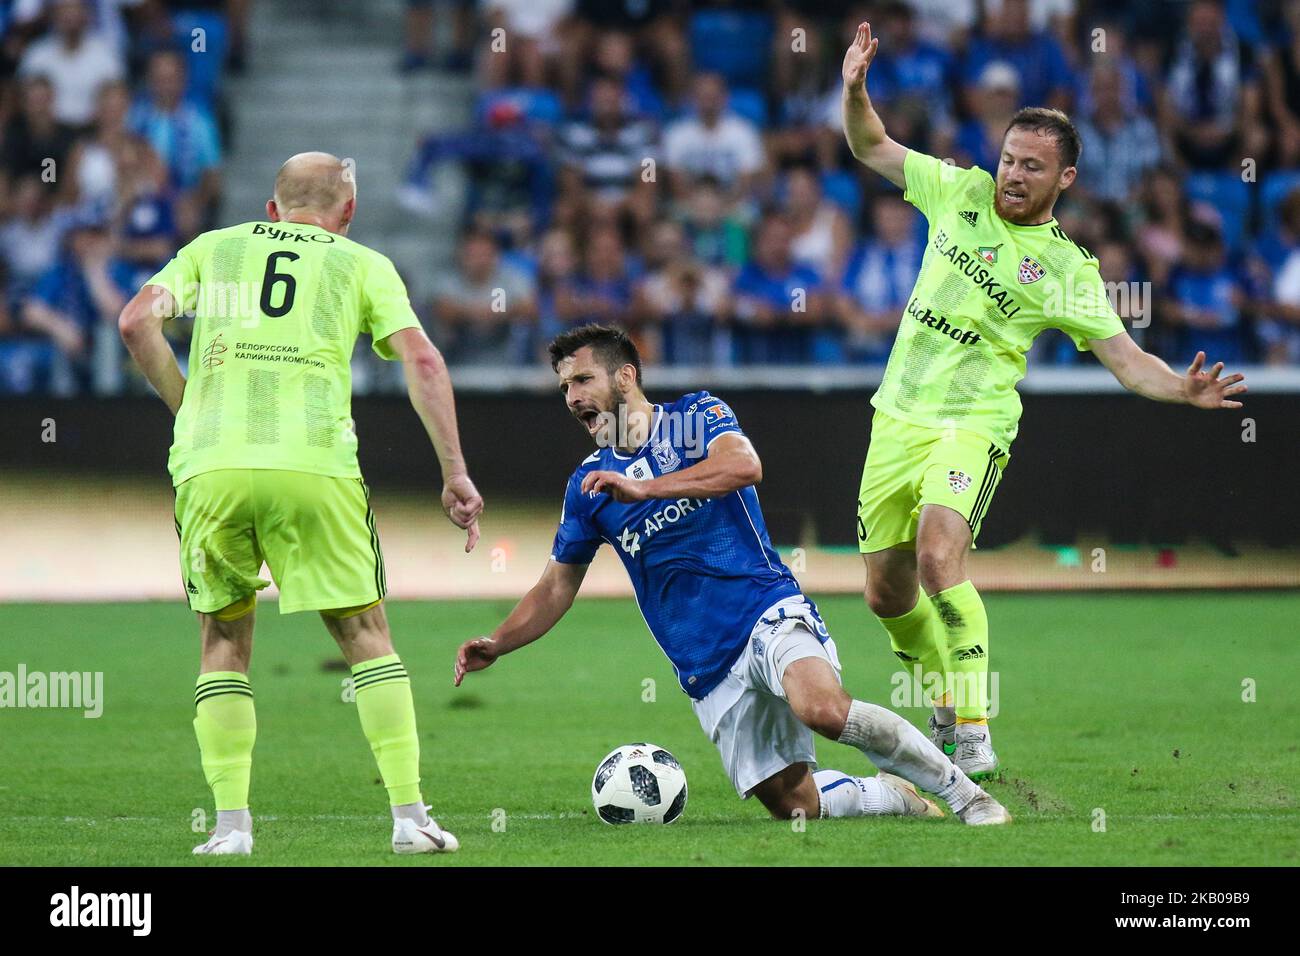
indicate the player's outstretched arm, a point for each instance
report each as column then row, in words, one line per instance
column 732, row 463
column 863, row 127
column 429, row 386
column 140, row 326
column 543, row 606
column 1149, row 376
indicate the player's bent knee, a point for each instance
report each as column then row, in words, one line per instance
column 825, row 713
column 888, row 602
column 937, row 568
column 827, row 718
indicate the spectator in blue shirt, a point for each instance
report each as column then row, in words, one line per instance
column 683, row 300
column 76, row 304
column 1039, row 61
column 908, row 68
column 878, row 281
column 557, row 284
column 615, row 58
column 603, row 291
column 1211, row 104
column 184, row 135
column 1134, row 88
column 1275, row 246
column 979, row 140
column 31, row 239
column 780, row 306
column 1205, row 298
column 1121, row 144
column 509, row 171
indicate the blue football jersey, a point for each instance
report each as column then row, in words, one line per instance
column 703, row 569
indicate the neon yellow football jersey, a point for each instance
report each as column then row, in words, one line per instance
column 986, row 289
column 278, row 308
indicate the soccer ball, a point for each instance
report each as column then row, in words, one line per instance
column 639, row 783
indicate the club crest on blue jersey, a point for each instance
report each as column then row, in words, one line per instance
column 666, row 456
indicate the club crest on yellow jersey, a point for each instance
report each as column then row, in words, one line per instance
column 1030, row 271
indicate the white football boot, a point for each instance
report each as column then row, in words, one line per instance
column 974, row 754
column 984, row 811
column 917, row 805
column 409, row 837
column 236, row 842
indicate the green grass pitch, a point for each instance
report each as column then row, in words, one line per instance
column 1123, row 705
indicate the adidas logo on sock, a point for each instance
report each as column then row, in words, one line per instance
column 971, row 653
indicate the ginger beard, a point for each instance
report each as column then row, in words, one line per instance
column 1029, row 177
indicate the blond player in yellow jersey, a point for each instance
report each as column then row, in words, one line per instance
column 997, row 270
column 264, row 464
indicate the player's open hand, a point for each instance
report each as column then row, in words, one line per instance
column 463, row 504
column 474, row 656
column 619, row 487
column 1206, row 390
column 858, row 57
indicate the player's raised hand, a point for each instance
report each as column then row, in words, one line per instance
column 463, row 504
column 474, row 656
column 858, row 57
column 1206, row 390
column 619, row 487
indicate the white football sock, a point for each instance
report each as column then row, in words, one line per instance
column 230, row 820
column 846, row 796
column 895, row 746
column 412, row 811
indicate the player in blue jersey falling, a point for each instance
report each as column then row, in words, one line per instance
column 671, row 488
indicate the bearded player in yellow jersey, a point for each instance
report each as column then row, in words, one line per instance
column 264, row 463
column 997, row 270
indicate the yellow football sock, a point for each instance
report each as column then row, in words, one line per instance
column 918, row 637
column 226, row 726
column 967, row 626
column 387, row 712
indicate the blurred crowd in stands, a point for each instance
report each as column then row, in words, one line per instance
column 680, row 168
column 112, row 128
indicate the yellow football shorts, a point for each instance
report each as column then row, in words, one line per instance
column 909, row 466
column 316, row 534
